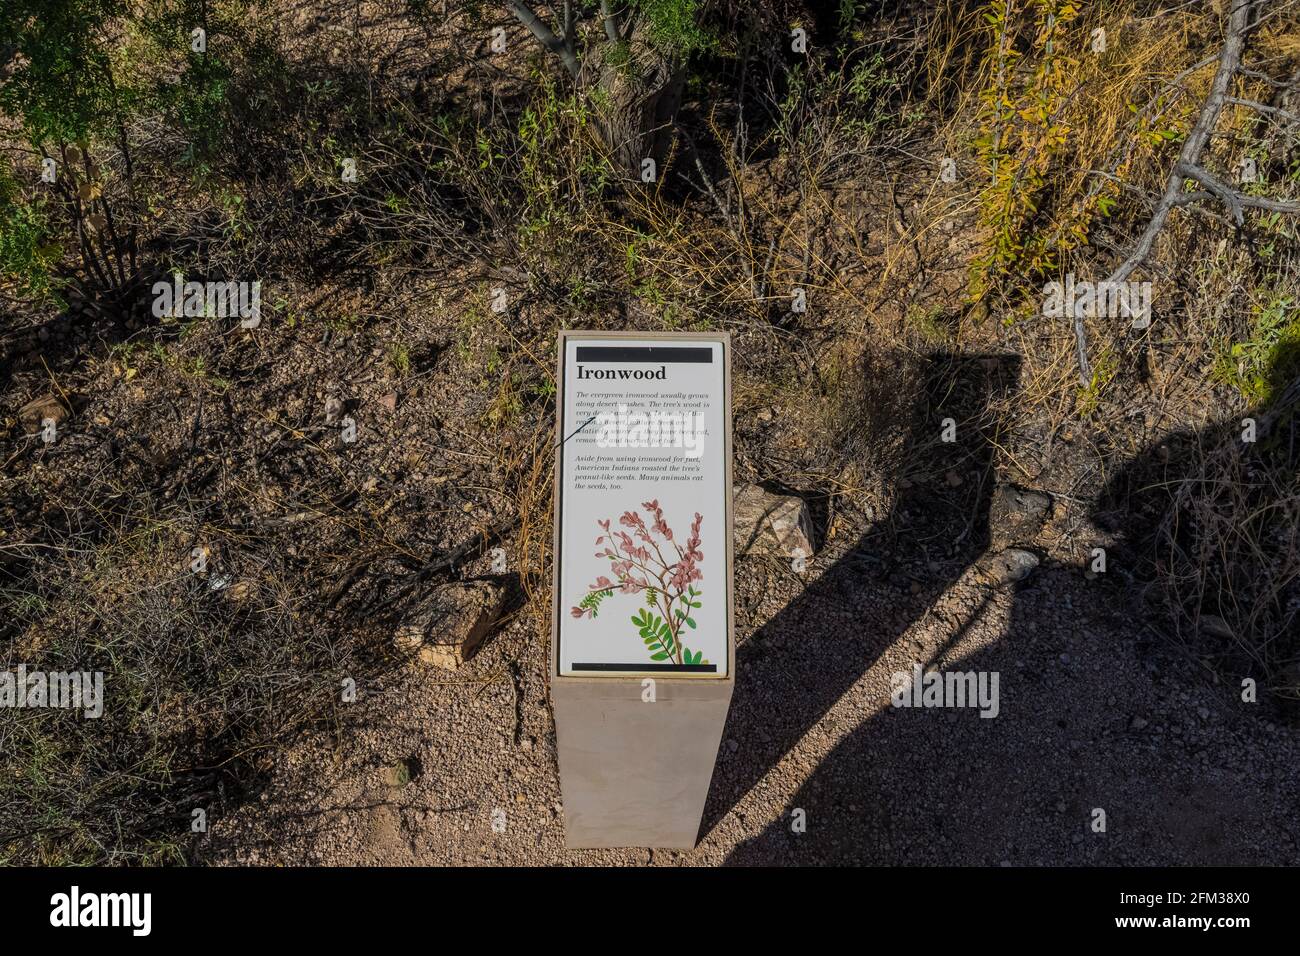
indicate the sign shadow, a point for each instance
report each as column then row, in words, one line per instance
column 1093, row 713
column 793, row 669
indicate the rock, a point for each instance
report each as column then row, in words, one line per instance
column 1016, row 515
column 409, row 637
column 32, row 415
column 240, row 591
column 768, row 523
column 1008, row 567
column 1137, row 723
column 333, row 409
column 448, row 626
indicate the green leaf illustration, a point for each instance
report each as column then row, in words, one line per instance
column 593, row 600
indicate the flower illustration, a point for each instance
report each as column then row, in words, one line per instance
column 646, row 559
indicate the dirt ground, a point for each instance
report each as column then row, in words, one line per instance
column 1093, row 714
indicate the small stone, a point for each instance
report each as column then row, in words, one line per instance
column 389, row 401
column 32, row 416
column 450, row 624
column 767, row 523
column 1137, row 723
column 1008, row 567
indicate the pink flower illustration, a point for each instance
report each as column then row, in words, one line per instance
column 649, row 561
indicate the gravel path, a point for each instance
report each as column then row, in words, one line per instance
column 1091, row 715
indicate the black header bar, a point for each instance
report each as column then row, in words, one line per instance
column 659, row 354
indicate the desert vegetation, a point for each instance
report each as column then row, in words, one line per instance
column 427, row 191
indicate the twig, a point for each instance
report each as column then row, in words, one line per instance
column 1234, row 199
column 1260, row 107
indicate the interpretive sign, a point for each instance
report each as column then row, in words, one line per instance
column 642, row 652
column 643, row 507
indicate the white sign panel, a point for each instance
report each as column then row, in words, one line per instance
column 643, row 573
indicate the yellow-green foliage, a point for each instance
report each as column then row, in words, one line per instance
column 1022, row 133
column 1104, row 366
column 1063, row 122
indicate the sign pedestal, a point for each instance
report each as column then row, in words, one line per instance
column 634, row 773
column 642, row 648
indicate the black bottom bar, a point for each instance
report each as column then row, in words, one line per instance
column 1245, row 905
column 655, row 668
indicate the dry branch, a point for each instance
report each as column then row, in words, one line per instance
column 1188, row 165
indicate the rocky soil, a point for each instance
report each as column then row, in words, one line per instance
column 1093, row 714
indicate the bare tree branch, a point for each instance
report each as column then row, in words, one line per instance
column 1229, row 61
column 611, row 22
column 1234, row 199
column 1260, row 107
column 1265, row 78
column 546, row 36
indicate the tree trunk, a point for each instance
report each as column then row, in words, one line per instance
column 636, row 103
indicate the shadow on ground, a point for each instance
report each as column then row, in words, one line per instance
column 1095, row 712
